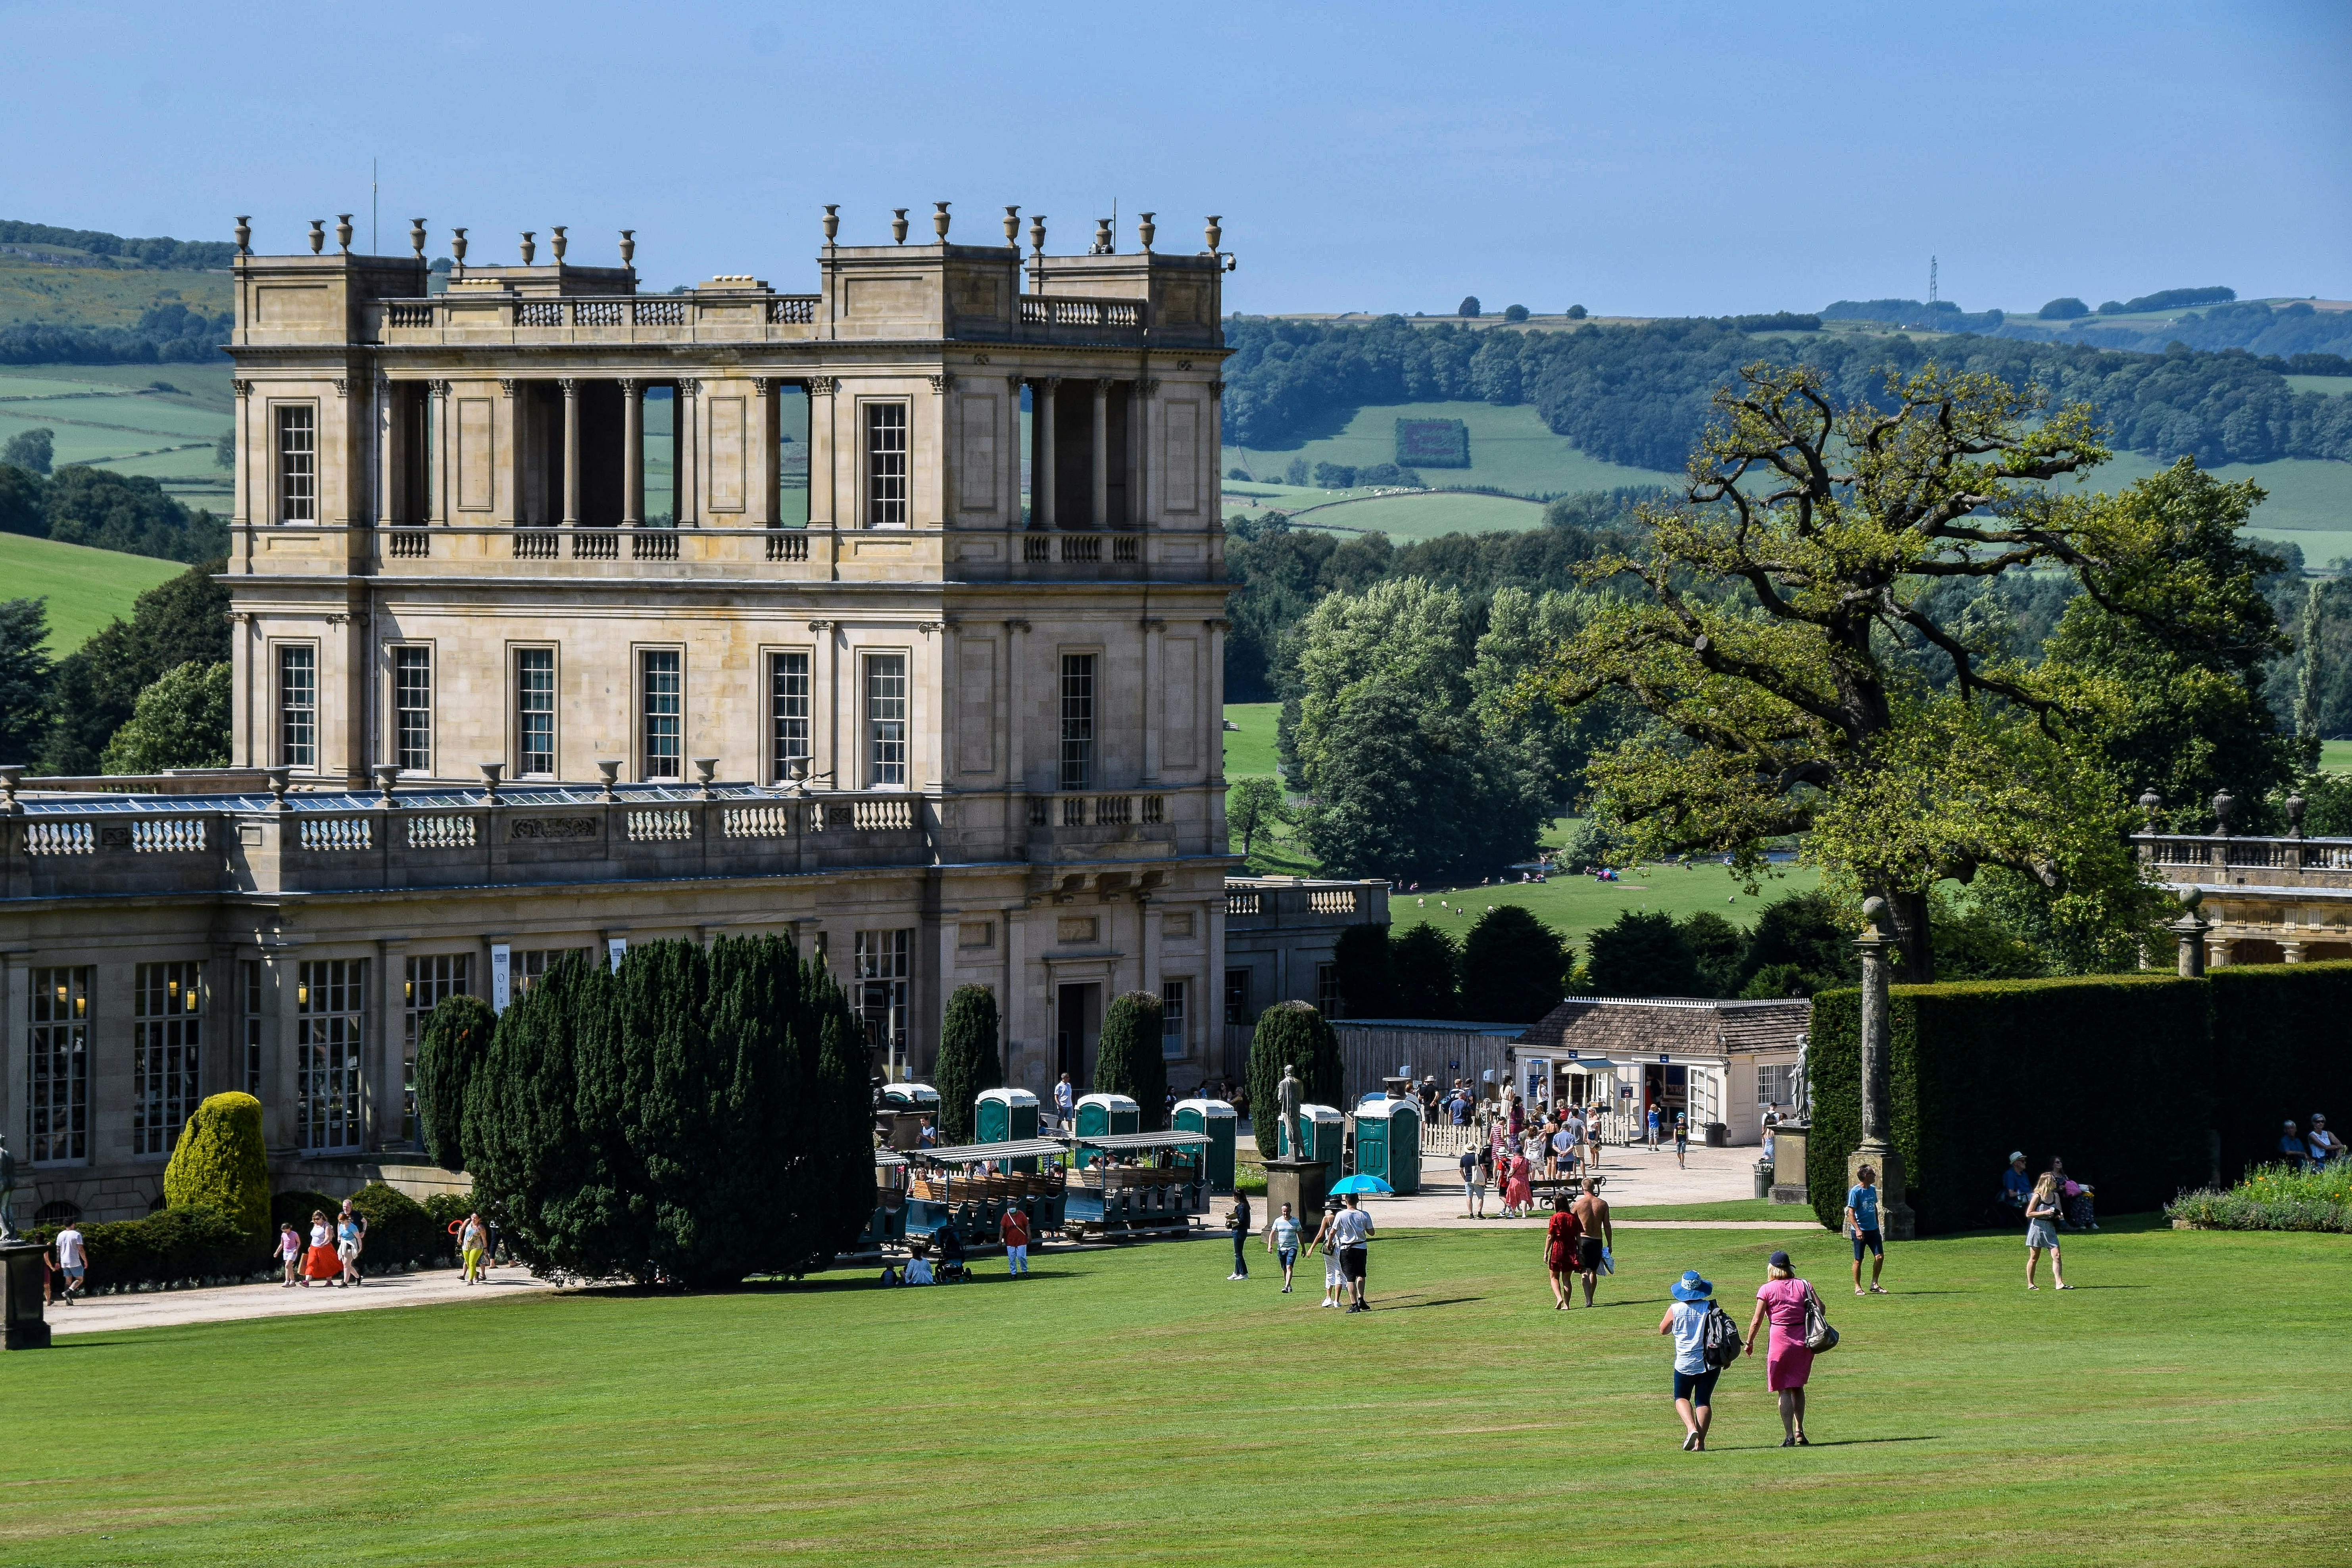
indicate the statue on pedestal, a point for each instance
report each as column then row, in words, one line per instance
column 1294, row 1129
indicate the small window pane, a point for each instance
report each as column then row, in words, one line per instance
column 297, row 706
column 535, row 710
column 1171, row 1019
column 788, row 685
column 249, row 1009
column 412, row 701
column 661, row 698
column 885, row 465
column 886, row 719
column 1078, row 721
column 298, row 459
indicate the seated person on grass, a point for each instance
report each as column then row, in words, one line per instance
column 2016, row 1186
column 918, row 1267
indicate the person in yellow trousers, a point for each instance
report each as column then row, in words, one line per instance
column 471, row 1240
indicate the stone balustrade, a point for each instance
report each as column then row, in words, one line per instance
column 445, row 836
column 482, row 316
column 2222, row 861
column 1270, row 902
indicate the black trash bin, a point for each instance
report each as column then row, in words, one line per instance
column 1718, row 1136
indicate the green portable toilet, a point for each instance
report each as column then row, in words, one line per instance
column 1006, row 1116
column 1326, row 1137
column 1214, row 1118
column 1388, row 1141
column 910, row 1096
column 1096, row 1114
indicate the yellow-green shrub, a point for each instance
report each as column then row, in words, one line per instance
column 220, row 1162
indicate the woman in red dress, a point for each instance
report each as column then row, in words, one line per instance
column 1782, row 1298
column 1559, row 1248
column 321, row 1263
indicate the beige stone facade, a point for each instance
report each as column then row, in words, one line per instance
column 961, row 725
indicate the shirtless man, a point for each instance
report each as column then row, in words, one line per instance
column 1592, row 1211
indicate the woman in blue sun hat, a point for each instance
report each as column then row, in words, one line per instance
column 1694, row 1379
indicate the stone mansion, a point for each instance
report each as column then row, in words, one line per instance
column 948, row 715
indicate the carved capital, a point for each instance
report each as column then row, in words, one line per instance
column 1016, row 625
column 1050, row 383
column 438, row 388
column 342, row 386
column 628, row 386
column 242, row 387
column 1218, row 624
column 1216, row 389
column 507, row 385
column 570, row 388
column 759, row 384
column 823, row 385
column 821, row 626
column 942, row 382
column 1103, row 384
column 1151, row 389
column 1013, row 383
column 1154, row 624
column 688, row 386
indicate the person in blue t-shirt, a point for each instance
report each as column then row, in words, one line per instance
column 1862, row 1225
column 2016, row 1186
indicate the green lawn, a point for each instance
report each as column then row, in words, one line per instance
column 85, row 588
column 1731, row 1208
column 2182, row 1405
column 1250, row 749
column 2335, row 756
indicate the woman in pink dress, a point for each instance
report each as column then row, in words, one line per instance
column 1518, row 1198
column 1782, row 1298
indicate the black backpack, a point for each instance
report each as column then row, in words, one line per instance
column 1718, row 1339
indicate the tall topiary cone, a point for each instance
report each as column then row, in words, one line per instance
column 1128, row 1060
column 220, row 1162
column 1296, row 1034
column 456, row 1039
column 968, row 1061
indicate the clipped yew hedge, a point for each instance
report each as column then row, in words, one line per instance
column 2101, row 1071
column 2284, row 1031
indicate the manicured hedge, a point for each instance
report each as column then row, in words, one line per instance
column 968, row 1061
column 2282, row 1033
column 170, row 1247
column 1127, row 1059
column 220, row 1162
column 2099, row 1070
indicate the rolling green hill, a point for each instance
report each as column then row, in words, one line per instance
column 114, row 416
column 102, row 297
column 85, row 588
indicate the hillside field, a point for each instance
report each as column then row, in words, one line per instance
column 111, row 417
column 85, row 588
column 1573, row 906
column 103, row 296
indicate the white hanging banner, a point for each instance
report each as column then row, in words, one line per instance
column 615, row 946
column 501, row 976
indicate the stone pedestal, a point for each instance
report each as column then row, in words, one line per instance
column 22, row 1273
column 1301, row 1183
column 1896, row 1220
column 1788, row 1184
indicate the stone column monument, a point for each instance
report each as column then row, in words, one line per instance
column 1293, row 1179
column 2190, row 927
column 1895, row 1219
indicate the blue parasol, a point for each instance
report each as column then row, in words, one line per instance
column 1361, row 1184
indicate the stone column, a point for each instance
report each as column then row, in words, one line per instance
column 570, row 451
column 2291, row 950
column 687, row 471
column 1099, row 467
column 2190, row 927
column 1877, row 1150
column 387, row 430
column 760, row 506
column 2219, row 951
column 1016, row 776
column 437, row 459
column 633, row 454
column 1041, row 477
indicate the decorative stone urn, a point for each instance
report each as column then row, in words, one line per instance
column 898, row 226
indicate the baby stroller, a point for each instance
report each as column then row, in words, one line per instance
column 949, row 1268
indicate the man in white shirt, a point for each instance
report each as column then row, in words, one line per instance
column 73, row 1259
column 1351, row 1228
column 1064, row 1098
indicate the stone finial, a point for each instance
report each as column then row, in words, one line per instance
column 1102, row 237
column 318, row 234
column 939, row 220
column 491, row 773
column 1144, row 229
column 2190, row 898
column 1873, row 910
column 2224, row 803
column 1012, row 227
column 608, row 770
column 1037, row 235
column 245, row 234
column 556, row 242
column 2150, row 803
column 1216, row 233
column 458, row 245
column 417, row 237
column 898, row 226
column 831, row 222
column 628, row 248
column 11, row 776
column 277, row 778
column 387, row 775
column 2294, row 809
column 705, row 770
column 529, row 246
column 343, row 232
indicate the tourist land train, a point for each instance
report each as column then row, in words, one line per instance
column 952, row 714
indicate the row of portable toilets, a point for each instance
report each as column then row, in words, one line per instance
column 1388, row 1130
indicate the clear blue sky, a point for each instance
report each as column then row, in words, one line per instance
column 1639, row 159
